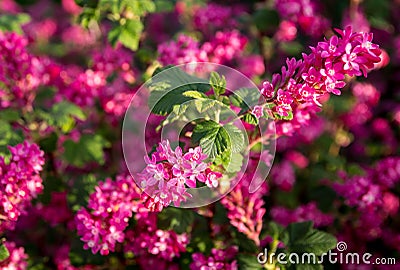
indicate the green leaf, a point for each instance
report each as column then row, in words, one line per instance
column 88, row 149
column 194, row 94
column 13, row 23
column 177, row 219
column 248, row 262
column 235, row 164
column 4, row 254
column 245, row 98
column 8, row 136
column 130, row 34
column 82, row 187
column 250, row 119
column 303, row 238
column 236, row 137
column 63, row 115
column 167, row 89
column 9, row 115
column 218, row 83
column 213, row 138
column 299, row 229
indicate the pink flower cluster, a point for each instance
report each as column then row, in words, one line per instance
column 85, row 87
column 218, row 259
column 168, row 172
column 110, row 208
column 20, row 72
column 184, row 50
column 221, row 49
column 367, row 96
column 246, row 210
column 225, row 46
column 302, row 84
column 150, row 243
column 20, row 181
column 372, row 196
column 17, row 259
column 214, row 16
column 283, row 175
column 304, row 13
column 304, row 212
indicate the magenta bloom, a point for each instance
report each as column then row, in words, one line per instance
column 169, row 173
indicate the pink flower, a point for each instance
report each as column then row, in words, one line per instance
column 169, row 173
column 287, row 31
column 17, row 260
column 110, row 207
column 218, row 259
column 258, row 111
column 20, row 181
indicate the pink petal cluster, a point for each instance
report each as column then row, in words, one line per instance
column 283, row 175
column 169, row 173
column 372, row 197
column 302, row 84
column 225, row 46
column 221, row 49
column 287, row 31
column 218, row 259
column 20, row 72
column 110, row 207
column 304, row 212
column 85, row 87
column 246, row 210
column 214, row 16
column 367, row 96
column 184, row 50
column 17, row 259
column 148, row 242
column 305, row 13
column 20, row 181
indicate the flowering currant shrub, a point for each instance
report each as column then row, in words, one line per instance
column 303, row 157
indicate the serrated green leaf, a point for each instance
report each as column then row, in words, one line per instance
column 236, row 137
column 215, row 142
column 88, row 149
column 299, row 229
column 215, row 139
column 4, row 254
column 63, row 115
column 167, row 89
column 129, row 34
column 194, row 94
column 303, row 238
column 245, row 98
column 235, row 163
column 250, row 119
column 218, row 83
